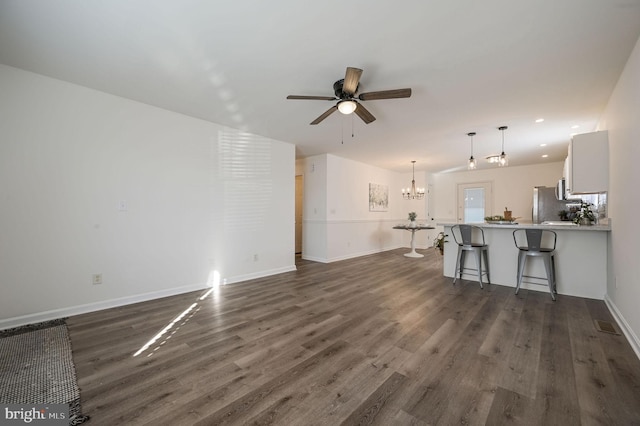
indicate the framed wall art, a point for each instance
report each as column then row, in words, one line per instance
column 378, row 197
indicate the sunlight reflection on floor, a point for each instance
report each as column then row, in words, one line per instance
column 214, row 282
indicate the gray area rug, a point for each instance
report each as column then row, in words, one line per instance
column 36, row 367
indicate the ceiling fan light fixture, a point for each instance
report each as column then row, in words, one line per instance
column 347, row 107
column 345, row 93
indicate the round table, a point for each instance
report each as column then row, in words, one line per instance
column 413, row 230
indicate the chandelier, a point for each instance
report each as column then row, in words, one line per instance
column 413, row 193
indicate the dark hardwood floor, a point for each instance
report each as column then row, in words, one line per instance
column 379, row 339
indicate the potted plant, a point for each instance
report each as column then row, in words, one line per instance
column 439, row 241
column 563, row 214
column 412, row 219
column 584, row 215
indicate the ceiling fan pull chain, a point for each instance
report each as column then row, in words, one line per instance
column 352, row 126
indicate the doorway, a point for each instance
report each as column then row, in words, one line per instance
column 298, row 214
column 474, row 201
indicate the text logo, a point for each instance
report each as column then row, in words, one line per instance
column 36, row 414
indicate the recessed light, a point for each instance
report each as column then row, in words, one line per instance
column 575, row 126
column 544, row 156
column 539, row 120
column 543, row 144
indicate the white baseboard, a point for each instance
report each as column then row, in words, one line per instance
column 113, row 303
column 624, row 325
column 96, row 306
column 122, row 301
column 246, row 277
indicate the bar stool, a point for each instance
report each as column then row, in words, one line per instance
column 529, row 244
column 469, row 240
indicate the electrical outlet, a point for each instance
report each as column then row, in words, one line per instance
column 96, row 279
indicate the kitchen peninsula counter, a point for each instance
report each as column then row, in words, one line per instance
column 581, row 258
column 568, row 227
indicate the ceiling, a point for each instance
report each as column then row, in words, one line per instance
column 472, row 66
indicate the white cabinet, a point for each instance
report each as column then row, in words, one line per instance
column 566, row 171
column 587, row 166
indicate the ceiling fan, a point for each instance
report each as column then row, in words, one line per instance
column 345, row 93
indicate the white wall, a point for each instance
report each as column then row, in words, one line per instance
column 197, row 197
column 337, row 222
column 621, row 120
column 512, row 187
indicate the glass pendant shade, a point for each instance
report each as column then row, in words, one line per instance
column 347, row 107
column 503, row 161
column 472, row 164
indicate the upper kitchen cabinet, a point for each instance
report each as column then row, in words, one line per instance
column 587, row 166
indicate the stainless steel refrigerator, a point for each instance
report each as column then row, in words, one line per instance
column 546, row 205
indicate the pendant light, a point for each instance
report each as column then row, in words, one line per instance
column 503, row 161
column 472, row 161
column 413, row 193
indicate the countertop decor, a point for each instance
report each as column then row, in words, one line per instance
column 585, row 216
column 507, row 218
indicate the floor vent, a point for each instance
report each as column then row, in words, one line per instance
column 606, row 327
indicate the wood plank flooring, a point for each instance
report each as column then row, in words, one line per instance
column 380, row 339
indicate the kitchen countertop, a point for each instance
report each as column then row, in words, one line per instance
column 554, row 227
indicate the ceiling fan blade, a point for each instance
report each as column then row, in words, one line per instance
column 364, row 114
column 325, row 115
column 315, row 98
column 351, row 80
column 385, row 94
